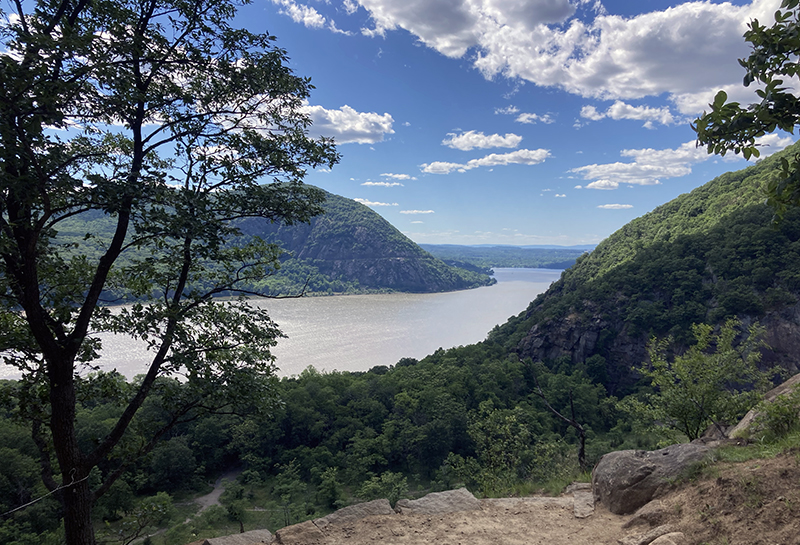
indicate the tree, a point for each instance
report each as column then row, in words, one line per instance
column 730, row 127
column 160, row 118
column 714, row 382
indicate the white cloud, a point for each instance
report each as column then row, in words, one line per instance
column 621, row 110
column 350, row 7
column 417, row 221
column 560, row 195
column 649, row 166
column 416, row 211
column 383, row 184
column 519, row 157
column 470, row 140
column 372, row 203
column 398, row 176
column 602, row 184
column 305, row 15
column 615, row 206
column 508, row 110
column 347, row 125
column 531, row 119
column 681, row 52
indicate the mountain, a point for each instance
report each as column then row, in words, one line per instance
column 707, row 255
column 351, row 248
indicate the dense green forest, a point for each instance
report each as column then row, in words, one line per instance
column 704, row 257
column 461, row 416
column 482, row 258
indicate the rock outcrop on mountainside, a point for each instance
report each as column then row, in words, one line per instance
column 708, row 255
column 354, row 244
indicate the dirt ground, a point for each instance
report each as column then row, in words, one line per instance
column 519, row 523
column 749, row 503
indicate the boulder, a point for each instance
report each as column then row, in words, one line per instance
column 673, row 538
column 435, row 503
column 650, row 537
column 305, row 533
column 356, row 512
column 742, row 428
column 625, row 480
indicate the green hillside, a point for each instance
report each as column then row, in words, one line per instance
column 708, row 255
column 352, row 248
column 347, row 249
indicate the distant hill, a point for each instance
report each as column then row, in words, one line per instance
column 705, row 256
column 351, row 248
column 348, row 249
column 484, row 257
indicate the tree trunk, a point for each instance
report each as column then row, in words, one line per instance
column 78, row 514
column 76, row 494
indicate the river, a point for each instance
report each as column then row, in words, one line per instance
column 357, row 332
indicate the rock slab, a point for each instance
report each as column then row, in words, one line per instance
column 625, row 480
column 436, row 503
column 356, row 512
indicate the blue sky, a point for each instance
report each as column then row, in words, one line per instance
column 514, row 121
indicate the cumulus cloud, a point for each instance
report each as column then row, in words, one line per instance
column 649, row 166
column 531, row 119
column 301, row 14
column 615, row 206
column 560, row 195
column 603, row 184
column 621, row 110
column 519, row 157
column 470, row 140
column 683, row 52
column 508, row 110
column 416, row 212
column 346, row 125
column 372, row 203
column 398, row 176
column 383, row 184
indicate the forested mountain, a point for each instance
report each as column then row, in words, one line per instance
column 347, row 249
column 707, row 255
column 350, row 247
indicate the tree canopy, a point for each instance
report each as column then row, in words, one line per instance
column 731, row 127
column 162, row 116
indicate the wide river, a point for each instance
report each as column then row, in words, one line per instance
column 357, row 332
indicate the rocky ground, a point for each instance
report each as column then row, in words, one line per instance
column 748, row 503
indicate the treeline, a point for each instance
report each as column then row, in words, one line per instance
column 483, row 258
column 465, row 416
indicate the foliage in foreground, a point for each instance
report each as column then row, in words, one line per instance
column 716, row 381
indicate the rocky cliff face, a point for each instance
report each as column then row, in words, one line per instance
column 352, row 242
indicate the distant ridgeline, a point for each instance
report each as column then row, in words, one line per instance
column 348, row 249
column 705, row 256
column 484, row 257
column 351, row 248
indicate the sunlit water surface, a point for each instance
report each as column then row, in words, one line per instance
column 357, row 332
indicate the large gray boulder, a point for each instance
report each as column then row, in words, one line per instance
column 625, row 480
column 436, row 503
column 356, row 512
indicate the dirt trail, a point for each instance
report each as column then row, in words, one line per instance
column 509, row 523
column 212, row 498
